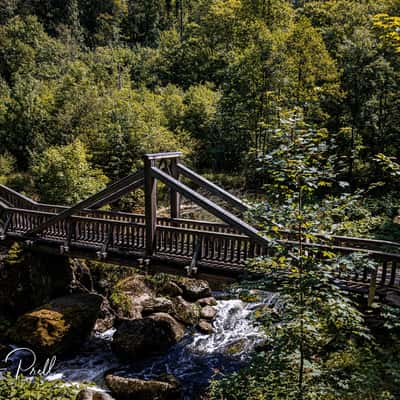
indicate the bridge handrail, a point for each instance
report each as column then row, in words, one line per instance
column 344, row 249
column 213, row 234
column 346, row 242
column 7, row 194
column 203, row 232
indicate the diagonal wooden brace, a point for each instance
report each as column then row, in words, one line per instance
column 95, row 199
column 210, row 206
column 212, row 188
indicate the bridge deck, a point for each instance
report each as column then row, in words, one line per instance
column 223, row 247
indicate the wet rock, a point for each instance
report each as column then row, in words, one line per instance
column 139, row 389
column 208, row 312
column 177, row 328
column 170, row 289
column 88, row 394
column 236, row 347
column 106, row 317
column 207, row 301
column 205, row 327
column 82, row 275
column 59, row 326
column 128, row 296
column 140, row 338
column 194, row 289
column 186, row 312
column 156, row 304
column 134, row 285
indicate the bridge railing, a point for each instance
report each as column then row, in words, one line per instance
column 78, row 229
column 216, row 242
column 345, row 241
column 15, row 199
column 217, row 247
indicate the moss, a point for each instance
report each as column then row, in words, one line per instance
column 236, row 348
column 15, row 255
column 106, row 275
column 120, row 301
column 248, row 297
column 59, row 326
column 47, row 326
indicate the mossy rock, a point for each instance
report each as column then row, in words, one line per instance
column 60, row 326
column 185, row 312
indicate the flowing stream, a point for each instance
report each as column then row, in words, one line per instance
column 195, row 360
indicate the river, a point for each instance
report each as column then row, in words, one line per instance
column 195, row 360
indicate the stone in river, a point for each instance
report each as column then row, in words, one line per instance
column 186, row 312
column 141, row 338
column 208, row 312
column 205, row 327
column 139, row 389
column 194, row 289
column 60, row 326
column 207, row 301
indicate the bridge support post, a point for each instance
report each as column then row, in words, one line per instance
column 150, row 196
column 175, row 196
column 372, row 287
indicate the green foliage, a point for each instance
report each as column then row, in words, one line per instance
column 318, row 343
column 63, row 175
column 294, row 98
column 21, row 388
column 7, row 163
column 119, row 300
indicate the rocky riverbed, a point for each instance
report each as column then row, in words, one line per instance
column 140, row 336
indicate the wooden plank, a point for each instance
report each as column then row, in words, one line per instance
column 212, row 188
column 372, row 287
column 384, row 271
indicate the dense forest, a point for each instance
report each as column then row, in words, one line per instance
column 94, row 85
column 293, row 104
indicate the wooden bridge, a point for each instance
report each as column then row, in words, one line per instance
column 84, row 230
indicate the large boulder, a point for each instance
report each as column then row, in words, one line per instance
column 140, row 338
column 28, row 280
column 138, row 389
column 59, row 326
column 169, row 288
column 128, row 296
column 156, row 305
column 186, row 312
column 194, row 289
